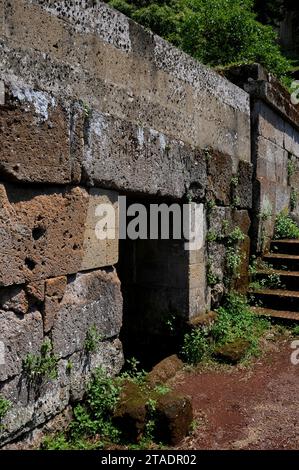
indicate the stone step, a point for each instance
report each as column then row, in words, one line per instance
column 282, row 261
column 289, row 279
column 289, row 315
column 285, row 246
column 277, row 299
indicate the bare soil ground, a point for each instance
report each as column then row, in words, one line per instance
column 253, row 407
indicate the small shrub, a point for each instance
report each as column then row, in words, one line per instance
column 291, row 167
column 233, row 260
column 235, row 321
column 133, row 372
column 43, row 365
column 234, row 325
column 212, row 236
column 195, row 346
column 94, row 416
column 285, row 227
column 293, row 199
column 5, row 405
column 92, row 340
column 212, row 278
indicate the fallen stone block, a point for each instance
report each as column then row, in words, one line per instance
column 173, row 417
column 165, row 370
column 232, row 352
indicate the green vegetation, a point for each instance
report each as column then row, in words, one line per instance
column 234, row 323
column 212, row 278
column 269, row 281
column 92, row 340
column 43, row 365
column 216, row 32
column 4, row 407
column 92, row 426
column 291, row 167
column 285, row 227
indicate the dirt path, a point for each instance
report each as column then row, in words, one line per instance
column 249, row 408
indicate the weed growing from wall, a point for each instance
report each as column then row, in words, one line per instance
column 43, row 365
column 92, row 340
column 285, row 227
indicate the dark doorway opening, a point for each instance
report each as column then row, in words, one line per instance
column 155, row 288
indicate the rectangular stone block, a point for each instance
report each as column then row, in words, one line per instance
column 101, row 252
column 137, row 159
column 91, row 300
column 269, row 124
column 20, row 336
column 243, row 190
column 220, row 173
column 272, row 161
column 291, row 140
column 35, row 143
column 44, row 233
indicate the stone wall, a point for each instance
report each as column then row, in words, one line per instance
column 93, row 106
column 275, row 151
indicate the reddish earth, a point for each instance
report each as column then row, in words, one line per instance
column 255, row 407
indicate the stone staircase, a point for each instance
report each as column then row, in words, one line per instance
column 281, row 302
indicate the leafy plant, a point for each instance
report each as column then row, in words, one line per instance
column 291, row 167
column 234, row 322
column 133, row 372
column 216, row 32
column 233, row 259
column 5, row 405
column 94, row 416
column 285, row 227
column 92, row 340
column 43, row 365
column 293, row 199
column 212, row 236
column 195, row 346
column 212, row 278
column 270, row 281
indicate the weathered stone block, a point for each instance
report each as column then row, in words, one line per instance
column 109, row 356
column 270, row 124
column 291, row 140
column 36, row 291
column 165, row 370
column 91, row 299
column 99, row 252
column 220, row 173
column 174, row 417
column 20, row 336
column 55, row 289
column 243, row 190
column 35, row 137
column 272, row 161
column 14, row 299
column 122, row 155
column 31, row 405
column 43, row 234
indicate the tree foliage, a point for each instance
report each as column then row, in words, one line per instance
column 216, row 32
